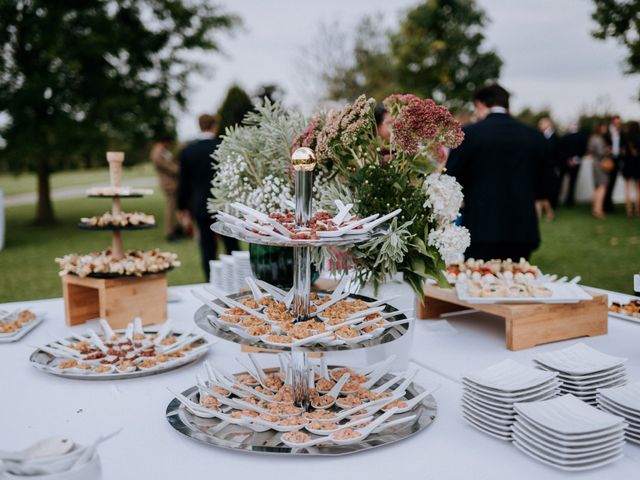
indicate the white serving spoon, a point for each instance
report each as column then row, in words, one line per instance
column 415, row 400
column 109, row 334
column 343, row 212
column 97, row 341
column 255, row 290
column 233, row 303
column 373, row 224
column 274, row 291
column 352, row 423
column 364, row 432
column 349, row 228
column 326, row 305
column 250, row 211
column 332, row 395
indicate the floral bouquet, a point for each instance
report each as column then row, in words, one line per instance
column 380, row 176
column 357, row 166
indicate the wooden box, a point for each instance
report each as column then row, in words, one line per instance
column 117, row 300
column 526, row 325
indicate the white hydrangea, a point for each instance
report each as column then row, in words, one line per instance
column 271, row 196
column 443, row 197
column 451, row 241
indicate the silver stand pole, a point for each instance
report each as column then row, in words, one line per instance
column 303, row 161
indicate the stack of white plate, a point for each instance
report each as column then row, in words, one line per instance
column 568, row 434
column 228, row 273
column 625, row 402
column 243, row 268
column 489, row 395
column 582, row 370
column 216, row 273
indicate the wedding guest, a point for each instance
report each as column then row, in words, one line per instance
column 616, row 141
column 631, row 168
column 196, row 173
column 599, row 151
column 503, row 166
column 167, row 169
column 383, row 122
column 546, row 206
column 572, row 148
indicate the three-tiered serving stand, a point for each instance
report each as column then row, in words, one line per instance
column 114, row 297
column 213, row 431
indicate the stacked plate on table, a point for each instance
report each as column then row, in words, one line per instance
column 489, row 395
column 582, row 370
column 624, row 402
column 242, row 268
column 568, row 434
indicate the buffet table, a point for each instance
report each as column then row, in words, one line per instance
column 35, row 405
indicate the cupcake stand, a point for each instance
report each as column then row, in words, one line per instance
column 116, row 298
column 216, row 432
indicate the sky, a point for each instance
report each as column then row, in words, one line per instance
column 550, row 58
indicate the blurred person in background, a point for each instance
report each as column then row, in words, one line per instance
column 573, row 146
column 546, row 206
column 503, row 166
column 196, row 173
column 168, row 169
column 631, row 168
column 603, row 167
column 616, row 141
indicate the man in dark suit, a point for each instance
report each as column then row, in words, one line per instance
column 196, row 173
column 616, row 141
column 503, row 166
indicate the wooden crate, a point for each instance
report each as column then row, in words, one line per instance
column 527, row 325
column 117, row 300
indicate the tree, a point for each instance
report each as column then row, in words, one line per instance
column 437, row 51
column 235, row 106
column 77, row 78
column 531, row 117
column 439, row 54
column 620, row 19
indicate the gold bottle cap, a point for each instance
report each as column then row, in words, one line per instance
column 303, row 159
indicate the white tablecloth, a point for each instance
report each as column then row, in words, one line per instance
column 34, row 405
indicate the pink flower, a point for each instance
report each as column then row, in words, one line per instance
column 423, row 123
column 309, row 136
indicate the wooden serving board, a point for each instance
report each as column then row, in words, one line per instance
column 526, row 325
column 117, row 300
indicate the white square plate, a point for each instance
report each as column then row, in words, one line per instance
column 589, row 377
column 568, row 466
column 567, row 454
column 549, row 392
column 617, row 409
column 499, row 394
column 579, row 359
column 627, row 396
column 567, row 415
column 488, row 430
column 495, row 413
column 509, row 376
column 560, row 449
column 570, row 442
column 494, row 420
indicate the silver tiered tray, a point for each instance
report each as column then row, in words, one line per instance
column 228, row 230
column 215, row 432
column 390, row 334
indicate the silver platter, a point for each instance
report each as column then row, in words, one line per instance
column 215, row 432
column 43, row 362
column 389, row 335
column 224, row 229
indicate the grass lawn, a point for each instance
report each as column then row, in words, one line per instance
column 24, row 183
column 604, row 252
